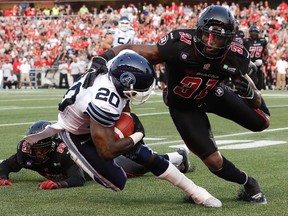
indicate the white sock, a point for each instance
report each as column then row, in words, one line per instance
column 174, row 176
column 175, row 158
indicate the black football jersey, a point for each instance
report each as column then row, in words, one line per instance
column 56, row 168
column 239, row 37
column 190, row 76
column 255, row 47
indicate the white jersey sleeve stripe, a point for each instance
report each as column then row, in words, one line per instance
column 102, row 117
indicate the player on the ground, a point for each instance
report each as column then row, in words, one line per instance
column 49, row 157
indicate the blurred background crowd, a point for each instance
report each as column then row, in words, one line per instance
column 38, row 37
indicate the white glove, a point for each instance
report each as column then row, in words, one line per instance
column 258, row 62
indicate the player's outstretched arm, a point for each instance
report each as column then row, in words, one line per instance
column 150, row 52
column 6, row 167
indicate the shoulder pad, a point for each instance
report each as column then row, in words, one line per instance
column 111, row 31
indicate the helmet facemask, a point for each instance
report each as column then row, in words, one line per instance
column 138, row 97
column 215, row 32
column 254, row 35
column 213, row 42
column 124, row 26
column 124, row 23
column 40, row 151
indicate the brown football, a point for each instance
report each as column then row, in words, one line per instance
column 124, row 127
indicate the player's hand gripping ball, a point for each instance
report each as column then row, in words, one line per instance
column 124, row 127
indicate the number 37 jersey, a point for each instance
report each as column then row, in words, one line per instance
column 191, row 77
column 100, row 102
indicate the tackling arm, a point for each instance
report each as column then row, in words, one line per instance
column 75, row 175
column 107, row 44
column 150, row 52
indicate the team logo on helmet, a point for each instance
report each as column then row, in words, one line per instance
column 127, row 79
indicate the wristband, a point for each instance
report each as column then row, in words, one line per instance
column 108, row 55
column 136, row 137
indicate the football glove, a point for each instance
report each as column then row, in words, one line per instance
column 138, row 127
column 134, row 151
column 4, row 182
column 97, row 67
column 243, row 87
column 49, row 185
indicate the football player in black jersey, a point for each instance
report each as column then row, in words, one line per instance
column 197, row 61
column 48, row 157
column 257, row 48
column 239, row 34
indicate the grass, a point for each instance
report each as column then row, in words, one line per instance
column 147, row 195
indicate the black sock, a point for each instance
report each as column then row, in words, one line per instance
column 231, row 173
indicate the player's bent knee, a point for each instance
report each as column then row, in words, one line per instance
column 214, row 161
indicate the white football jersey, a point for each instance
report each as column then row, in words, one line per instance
column 121, row 37
column 101, row 102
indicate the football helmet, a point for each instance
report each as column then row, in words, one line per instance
column 215, row 30
column 133, row 76
column 254, row 32
column 124, row 23
column 40, row 151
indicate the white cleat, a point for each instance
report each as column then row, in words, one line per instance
column 203, row 197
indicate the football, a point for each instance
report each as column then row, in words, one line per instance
column 124, row 127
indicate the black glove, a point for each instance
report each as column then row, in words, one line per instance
column 132, row 153
column 98, row 66
column 243, row 87
column 138, row 127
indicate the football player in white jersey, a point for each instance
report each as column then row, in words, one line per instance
column 86, row 119
column 124, row 34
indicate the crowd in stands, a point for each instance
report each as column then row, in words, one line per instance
column 42, row 35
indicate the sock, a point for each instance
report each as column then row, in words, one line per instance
column 175, row 158
column 174, row 176
column 178, row 179
column 231, row 173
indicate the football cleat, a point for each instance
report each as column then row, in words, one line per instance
column 185, row 165
column 203, row 197
column 252, row 192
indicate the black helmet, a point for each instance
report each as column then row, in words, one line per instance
column 215, row 31
column 48, row 145
column 254, row 32
column 133, row 76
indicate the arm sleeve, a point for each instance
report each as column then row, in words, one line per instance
column 75, row 175
column 9, row 165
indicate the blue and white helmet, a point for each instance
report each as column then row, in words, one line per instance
column 133, row 76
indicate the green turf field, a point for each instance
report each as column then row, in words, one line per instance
column 147, row 195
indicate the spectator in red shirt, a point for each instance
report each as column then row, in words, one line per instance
column 283, row 6
column 16, row 69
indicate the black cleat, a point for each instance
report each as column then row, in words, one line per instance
column 185, row 165
column 252, row 192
